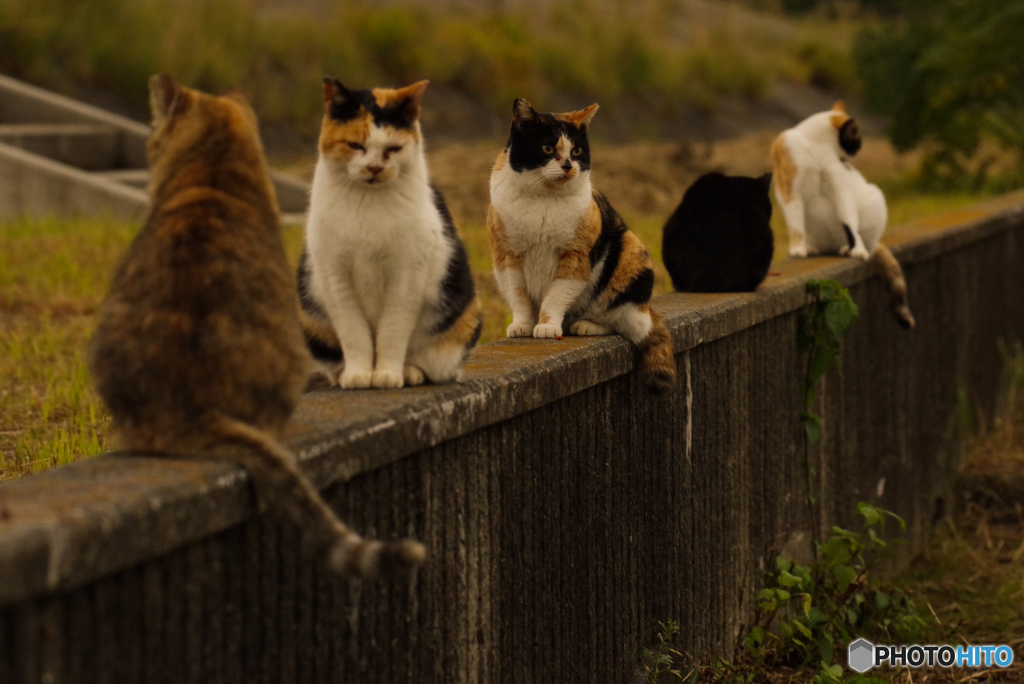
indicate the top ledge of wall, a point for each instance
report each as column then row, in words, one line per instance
column 65, row 527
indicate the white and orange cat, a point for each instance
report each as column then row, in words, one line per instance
column 829, row 207
column 387, row 295
column 563, row 257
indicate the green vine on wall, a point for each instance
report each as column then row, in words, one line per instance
column 823, row 325
column 825, row 322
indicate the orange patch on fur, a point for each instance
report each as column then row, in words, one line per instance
column 581, row 117
column 500, row 162
column 335, row 136
column 839, row 119
column 633, row 261
column 465, row 326
column 501, row 252
column 839, row 106
column 784, row 168
column 574, row 262
column 320, row 330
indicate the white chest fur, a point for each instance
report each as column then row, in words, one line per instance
column 386, row 243
column 539, row 223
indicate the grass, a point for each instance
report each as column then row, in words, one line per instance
column 53, row 275
column 662, row 56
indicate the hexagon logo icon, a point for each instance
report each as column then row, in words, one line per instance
column 861, row 655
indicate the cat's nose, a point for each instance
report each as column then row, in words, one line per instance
column 567, row 164
column 374, row 168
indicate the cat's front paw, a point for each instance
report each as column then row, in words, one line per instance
column 519, row 329
column 355, row 379
column 547, row 331
column 386, row 379
column 798, row 251
column 860, row 253
column 413, row 375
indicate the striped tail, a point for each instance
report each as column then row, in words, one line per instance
column 887, row 267
column 279, row 481
column 657, row 362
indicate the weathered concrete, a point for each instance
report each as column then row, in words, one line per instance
column 33, row 185
column 565, row 510
column 77, row 137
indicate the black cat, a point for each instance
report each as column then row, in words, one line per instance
column 719, row 238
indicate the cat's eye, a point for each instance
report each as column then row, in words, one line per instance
column 357, row 146
column 577, row 151
column 393, row 149
column 547, row 149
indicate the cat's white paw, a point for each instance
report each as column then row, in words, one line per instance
column 798, row 251
column 386, row 379
column 355, row 379
column 860, row 253
column 413, row 375
column 547, row 331
column 518, row 329
column 585, row 327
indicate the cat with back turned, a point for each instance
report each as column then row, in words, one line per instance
column 198, row 351
column 387, row 295
column 564, row 259
column 719, row 239
column 829, row 206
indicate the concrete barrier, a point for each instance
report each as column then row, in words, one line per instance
column 565, row 511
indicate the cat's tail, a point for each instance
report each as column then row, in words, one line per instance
column 280, row 483
column 887, row 267
column 657, row 362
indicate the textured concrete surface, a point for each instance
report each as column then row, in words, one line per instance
column 564, row 510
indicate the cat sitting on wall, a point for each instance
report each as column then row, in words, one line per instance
column 387, row 295
column 829, row 207
column 198, row 350
column 563, row 257
column 719, row 238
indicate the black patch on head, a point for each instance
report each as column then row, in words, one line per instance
column 608, row 245
column 719, row 238
column 637, row 292
column 849, row 137
column 528, row 137
column 457, row 288
column 849, row 236
column 346, row 105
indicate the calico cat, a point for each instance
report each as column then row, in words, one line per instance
column 563, row 257
column 719, row 239
column 198, row 350
column 384, row 279
column 829, row 207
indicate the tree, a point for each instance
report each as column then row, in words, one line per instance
column 950, row 74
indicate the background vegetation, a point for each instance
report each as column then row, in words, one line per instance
column 665, row 55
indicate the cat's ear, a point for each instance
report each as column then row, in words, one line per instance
column 408, row 100
column 522, row 111
column 766, row 180
column 582, row 117
column 164, row 97
column 839, row 106
column 334, row 91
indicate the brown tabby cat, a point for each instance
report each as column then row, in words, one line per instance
column 198, row 351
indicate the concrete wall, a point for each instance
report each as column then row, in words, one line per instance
column 564, row 510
